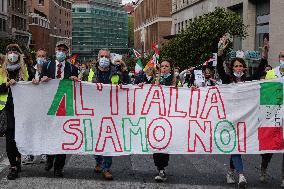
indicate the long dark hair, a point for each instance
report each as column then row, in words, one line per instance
column 231, row 66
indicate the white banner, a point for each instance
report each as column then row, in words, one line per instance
column 65, row 117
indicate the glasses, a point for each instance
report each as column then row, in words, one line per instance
column 104, row 56
column 236, row 66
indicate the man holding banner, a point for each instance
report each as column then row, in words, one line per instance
column 106, row 73
column 58, row 69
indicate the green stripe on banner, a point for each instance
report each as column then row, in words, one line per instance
column 271, row 93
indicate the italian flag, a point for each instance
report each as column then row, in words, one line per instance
column 138, row 66
column 136, row 53
column 270, row 134
column 156, row 55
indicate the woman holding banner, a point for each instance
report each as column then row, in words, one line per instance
column 165, row 77
column 12, row 71
column 237, row 73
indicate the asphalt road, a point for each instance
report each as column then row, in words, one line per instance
column 138, row 171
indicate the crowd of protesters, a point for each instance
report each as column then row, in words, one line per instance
column 17, row 66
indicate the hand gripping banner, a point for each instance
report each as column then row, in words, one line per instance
column 66, row 117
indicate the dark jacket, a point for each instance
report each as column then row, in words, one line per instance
column 104, row 76
column 230, row 78
column 10, row 104
column 49, row 69
column 142, row 78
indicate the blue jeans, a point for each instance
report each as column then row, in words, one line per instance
column 105, row 161
column 236, row 163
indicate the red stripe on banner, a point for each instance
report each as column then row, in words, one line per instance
column 270, row 138
column 61, row 111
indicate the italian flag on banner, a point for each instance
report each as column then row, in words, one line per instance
column 138, row 66
column 270, row 133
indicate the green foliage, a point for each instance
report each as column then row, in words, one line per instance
column 130, row 31
column 4, row 41
column 200, row 39
column 129, row 61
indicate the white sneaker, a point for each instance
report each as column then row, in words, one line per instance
column 282, row 184
column 263, row 176
column 242, row 181
column 28, row 160
column 230, row 178
column 161, row 177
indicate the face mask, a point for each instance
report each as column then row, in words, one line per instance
column 13, row 57
column 166, row 75
column 238, row 75
column 40, row 61
column 281, row 63
column 60, row 56
column 104, row 62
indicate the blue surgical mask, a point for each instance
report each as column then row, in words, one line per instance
column 104, row 62
column 60, row 56
column 13, row 57
column 165, row 75
column 40, row 61
column 281, row 63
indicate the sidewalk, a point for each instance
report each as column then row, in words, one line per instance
column 2, row 148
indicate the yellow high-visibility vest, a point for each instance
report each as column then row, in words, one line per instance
column 91, row 75
column 270, row 74
column 4, row 96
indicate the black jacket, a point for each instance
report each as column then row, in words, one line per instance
column 142, row 78
column 9, row 107
column 49, row 69
column 230, row 78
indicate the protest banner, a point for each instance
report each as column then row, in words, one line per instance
column 66, row 117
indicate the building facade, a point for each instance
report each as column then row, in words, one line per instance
column 50, row 22
column 18, row 20
column 99, row 24
column 39, row 25
column 152, row 21
column 262, row 18
column 3, row 18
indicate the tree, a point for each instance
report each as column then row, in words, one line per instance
column 130, row 31
column 200, row 39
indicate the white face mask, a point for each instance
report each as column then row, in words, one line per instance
column 281, row 63
column 238, row 75
column 104, row 62
column 13, row 57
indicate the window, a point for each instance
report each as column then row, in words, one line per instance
column 82, row 10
